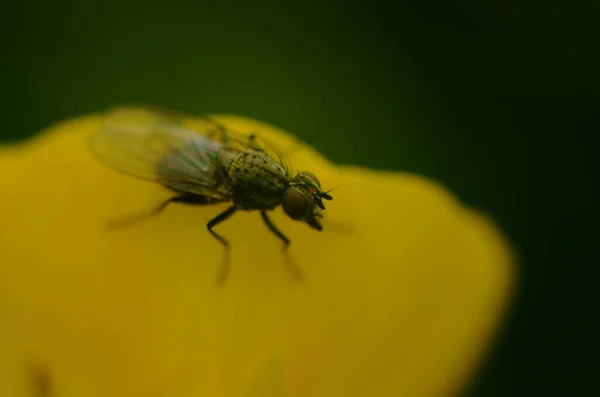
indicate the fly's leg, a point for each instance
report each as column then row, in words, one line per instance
column 225, row 138
column 273, row 228
column 253, row 144
column 291, row 267
column 219, row 128
column 191, row 200
column 315, row 224
column 214, row 222
column 194, row 200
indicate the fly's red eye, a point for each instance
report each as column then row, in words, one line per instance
column 295, row 204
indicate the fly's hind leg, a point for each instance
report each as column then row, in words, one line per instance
column 191, row 200
column 291, row 266
column 219, row 129
column 253, row 144
column 186, row 199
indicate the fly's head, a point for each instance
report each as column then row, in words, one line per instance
column 303, row 199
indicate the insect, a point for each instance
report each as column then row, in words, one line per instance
column 204, row 163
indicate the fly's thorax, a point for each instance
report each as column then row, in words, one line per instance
column 257, row 179
column 301, row 199
column 224, row 158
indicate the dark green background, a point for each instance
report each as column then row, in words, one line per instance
column 496, row 100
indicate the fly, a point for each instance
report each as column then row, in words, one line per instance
column 209, row 167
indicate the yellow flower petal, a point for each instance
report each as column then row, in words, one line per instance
column 267, row 380
column 403, row 288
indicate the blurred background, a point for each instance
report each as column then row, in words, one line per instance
column 498, row 100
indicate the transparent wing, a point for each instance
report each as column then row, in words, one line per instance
column 228, row 138
column 240, row 141
column 156, row 145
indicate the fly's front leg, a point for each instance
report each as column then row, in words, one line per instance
column 273, row 228
column 291, row 267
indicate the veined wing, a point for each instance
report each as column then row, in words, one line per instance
column 241, row 141
column 156, row 146
column 228, row 138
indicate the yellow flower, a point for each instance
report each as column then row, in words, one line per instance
column 404, row 288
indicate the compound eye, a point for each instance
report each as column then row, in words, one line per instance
column 295, row 204
column 312, row 177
